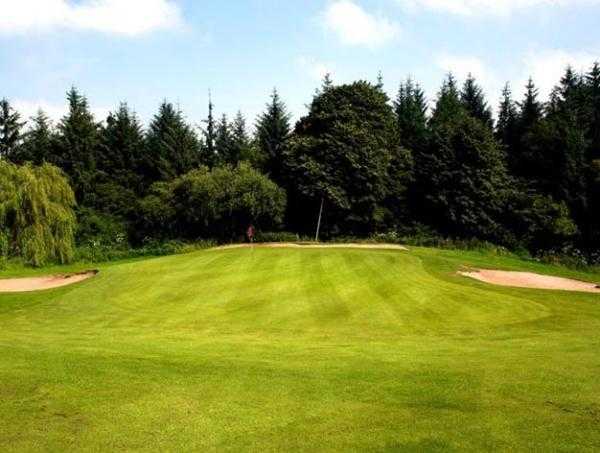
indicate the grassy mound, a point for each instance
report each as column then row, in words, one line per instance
column 317, row 349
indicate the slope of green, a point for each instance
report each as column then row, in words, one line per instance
column 286, row 349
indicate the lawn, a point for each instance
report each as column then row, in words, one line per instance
column 285, row 349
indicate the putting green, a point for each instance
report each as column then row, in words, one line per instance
column 300, row 349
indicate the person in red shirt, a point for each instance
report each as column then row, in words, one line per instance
column 250, row 233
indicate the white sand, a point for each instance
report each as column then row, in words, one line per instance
column 17, row 285
column 530, row 280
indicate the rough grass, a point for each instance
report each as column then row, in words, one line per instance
column 284, row 349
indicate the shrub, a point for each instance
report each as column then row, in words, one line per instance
column 218, row 203
column 97, row 253
column 277, row 236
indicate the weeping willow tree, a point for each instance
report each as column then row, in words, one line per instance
column 37, row 221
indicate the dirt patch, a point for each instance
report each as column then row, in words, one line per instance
column 530, row 280
column 19, row 285
column 292, row 245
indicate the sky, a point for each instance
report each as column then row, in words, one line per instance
column 146, row 51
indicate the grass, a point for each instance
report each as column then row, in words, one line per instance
column 284, row 349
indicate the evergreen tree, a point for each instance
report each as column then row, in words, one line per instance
column 327, row 82
column 38, row 141
column 10, row 130
column 119, row 178
column 473, row 101
column 209, row 156
column 464, row 180
column 507, row 127
column 75, row 152
column 410, row 107
column 122, row 148
column 242, row 146
column 272, row 134
column 592, row 80
column 379, row 85
column 172, row 147
column 530, row 109
column 224, row 142
column 448, row 105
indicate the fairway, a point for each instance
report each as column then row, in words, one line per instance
column 301, row 349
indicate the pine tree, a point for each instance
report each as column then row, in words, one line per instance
column 592, row 80
column 410, row 107
column 172, row 147
column 241, row 140
column 272, row 134
column 75, row 153
column 224, row 145
column 38, row 141
column 379, row 85
column 209, row 156
column 530, row 109
column 10, row 130
column 506, row 129
column 448, row 106
column 122, row 148
column 327, row 82
column 473, row 100
column 464, row 180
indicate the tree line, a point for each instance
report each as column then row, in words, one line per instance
column 526, row 177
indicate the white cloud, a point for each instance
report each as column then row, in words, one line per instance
column 488, row 7
column 547, row 67
column 313, row 68
column 55, row 112
column 354, row 26
column 461, row 66
column 121, row 17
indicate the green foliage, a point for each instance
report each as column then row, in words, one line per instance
column 538, row 222
column 76, row 146
column 448, row 105
column 172, row 146
column 36, row 213
column 464, row 179
column 218, row 203
column 508, row 122
column 38, row 142
column 342, row 152
column 10, row 130
column 272, row 134
column 473, row 101
column 95, row 252
column 121, row 151
column 224, row 143
column 410, row 108
column 276, row 236
column 100, row 228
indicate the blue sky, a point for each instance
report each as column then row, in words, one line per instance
column 144, row 51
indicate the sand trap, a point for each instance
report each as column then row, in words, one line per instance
column 530, row 280
column 18, row 285
column 286, row 245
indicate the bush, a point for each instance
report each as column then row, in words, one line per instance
column 98, row 228
column 98, row 253
column 278, row 236
column 218, row 203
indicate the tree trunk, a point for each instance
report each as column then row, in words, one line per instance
column 319, row 222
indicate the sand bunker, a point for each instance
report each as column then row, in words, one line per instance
column 530, row 280
column 18, row 285
column 285, row 245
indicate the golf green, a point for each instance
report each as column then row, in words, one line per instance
column 293, row 349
